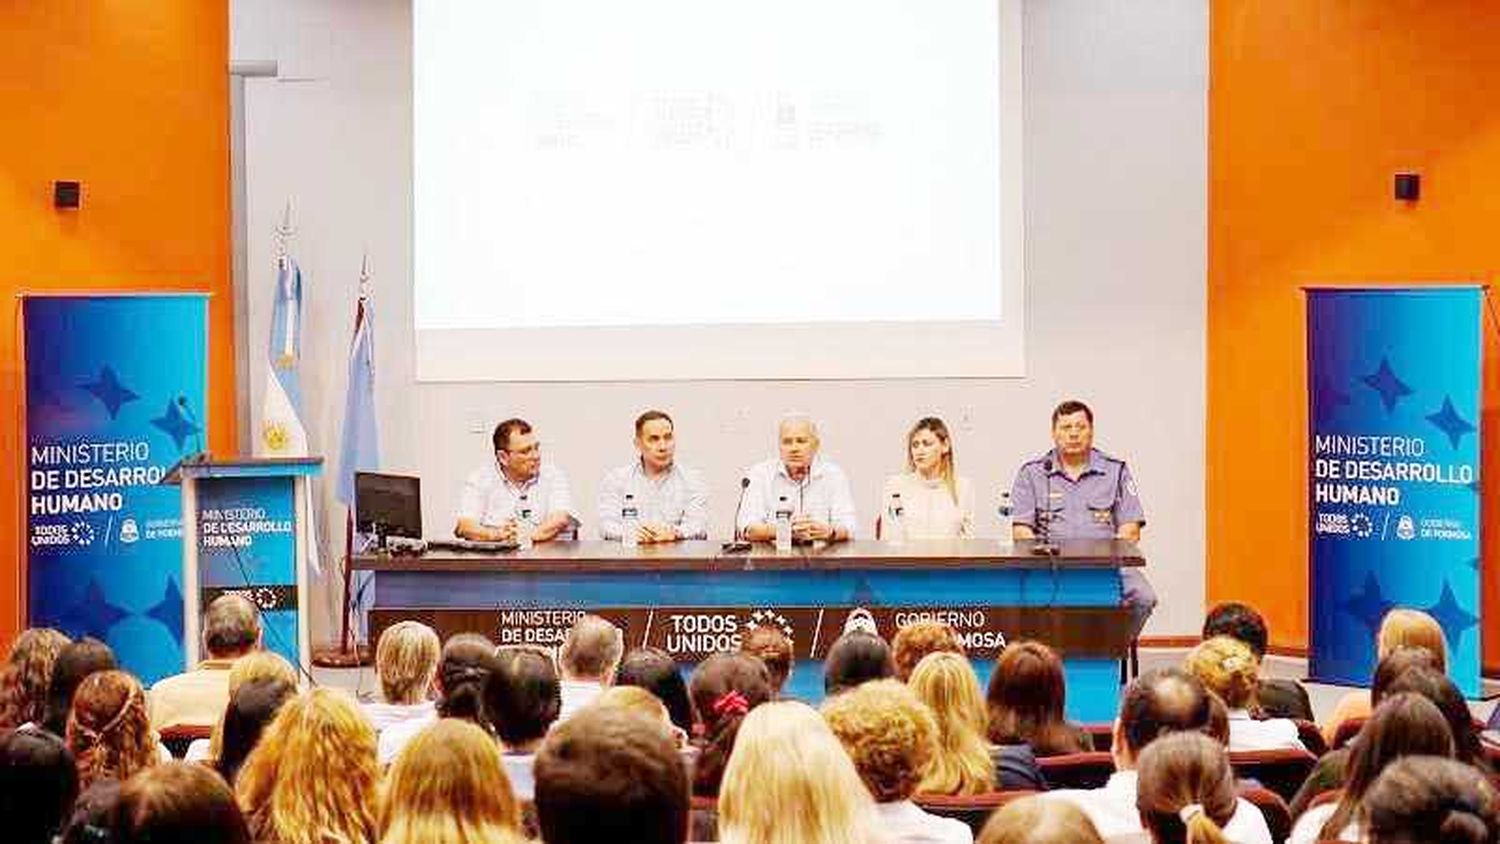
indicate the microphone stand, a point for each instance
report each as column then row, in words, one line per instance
column 1044, row 547
column 738, row 545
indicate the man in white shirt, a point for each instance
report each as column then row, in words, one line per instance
column 814, row 488
column 588, row 660
column 196, row 698
column 671, row 501
column 516, row 489
column 1157, row 703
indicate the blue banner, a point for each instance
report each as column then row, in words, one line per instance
column 115, row 389
column 1393, row 471
column 247, row 543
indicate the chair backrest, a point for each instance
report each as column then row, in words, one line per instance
column 1077, row 770
column 177, row 738
column 703, row 819
column 1273, row 808
column 1103, row 735
column 1311, row 736
column 1281, row 771
column 1347, row 730
column 973, row 809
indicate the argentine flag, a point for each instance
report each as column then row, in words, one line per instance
column 360, row 447
column 282, row 432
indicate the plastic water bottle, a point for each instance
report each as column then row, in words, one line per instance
column 783, row 524
column 630, row 522
column 894, row 529
column 1007, row 514
column 525, row 525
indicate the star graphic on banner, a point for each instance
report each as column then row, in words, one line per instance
column 1330, row 394
column 1385, row 382
column 109, row 390
column 1368, row 605
column 176, row 426
column 1476, row 562
column 93, row 616
column 863, row 595
column 169, row 610
column 1453, row 618
column 1449, row 422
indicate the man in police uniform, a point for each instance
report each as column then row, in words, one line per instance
column 1083, row 493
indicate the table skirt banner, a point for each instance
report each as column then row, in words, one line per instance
column 1394, row 379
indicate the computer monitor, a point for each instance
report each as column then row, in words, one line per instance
column 388, row 505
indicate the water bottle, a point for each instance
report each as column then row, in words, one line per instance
column 783, row 525
column 1007, row 514
column 524, row 523
column 630, row 522
column 894, row 529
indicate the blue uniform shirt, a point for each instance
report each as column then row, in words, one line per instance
column 1093, row 506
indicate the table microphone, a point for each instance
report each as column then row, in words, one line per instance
column 1044, row 547
column 737, row 545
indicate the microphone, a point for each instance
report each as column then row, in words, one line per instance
column 1043, row 517
column 738, row 545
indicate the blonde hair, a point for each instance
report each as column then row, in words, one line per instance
column 27, row 675
column 940, row 430
column 1403, row 628
column 789, row 781
column 256, row 665
column 1226, row 667
column 890, row 735
column 962, row 765
column 406, row 660
column 449, row 786
column 312, row 777
column 108, row 730
column 635, row 699
column 1036, row 820
column 1185, row 789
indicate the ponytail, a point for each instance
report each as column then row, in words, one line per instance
column 1199, row 828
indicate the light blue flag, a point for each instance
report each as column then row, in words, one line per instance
column 360, row 447
column 282, row 430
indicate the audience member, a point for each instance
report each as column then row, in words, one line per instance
column 313, row 776
column 93, row 815
column 1227, row 667
column 1027, row 695
column 256, row 665
column 406, row 661
column 178, row 803
column 26, row 675
column 1399, row 628
column 725, row 688
column 919, row 639
column 654, row 670
column 1032, row 820
column 1404, row 724
column 856, row 657
column 76, row 661
column 521, row 701
column 963, row 762
column 108, row 731
column 1444, row 694
column 252, row 706
column 1186, row 794
column 1218, row 720
column 467, row 659
column 1426, row 800
column 891, row 737
column 1277, row 698
column 608, row 775
column 790, row 782
column 448, row 786
column 38, row 784
column 772, row 645
column 196, row 698
column 589, row 657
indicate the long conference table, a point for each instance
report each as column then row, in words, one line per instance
column 692, row 599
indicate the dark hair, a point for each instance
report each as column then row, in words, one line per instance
column 77, row 661
column 1238, row 621
column 522, row 696
column 724, row 687
column 771, row 645
column 501, row 437
column 654, row 670
column 856, row 657
column 608, row 774
column 179, row 803
column 1429, row 800
column 1026, row 696
column 251, row 708
column 231, row 625
column 1166, row 700
column 1182, row 770
column 1436, row 687
column 468, row 658
column 1406, row 724
column 1395, row 665
column 92, row 819
column 38, row 784
column 651, row 416
column 1070, row 407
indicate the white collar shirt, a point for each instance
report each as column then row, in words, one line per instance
column 492, row 499
column 1113, row 811
column 1246, row 733
column 677, row 497
column 822, row 495
column 904, row 822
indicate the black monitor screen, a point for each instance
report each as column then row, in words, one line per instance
column 390, row 505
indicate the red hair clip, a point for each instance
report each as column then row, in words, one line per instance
column 730, row 703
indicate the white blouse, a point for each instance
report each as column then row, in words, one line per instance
column 928, row 508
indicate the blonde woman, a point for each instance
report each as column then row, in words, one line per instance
column 27, row 674
column 789, row 781
column 962, row 763
column 252, row 667
column 1227, row 667
column 935, row 502
column 312, row 777
column 406, row 661
column 448, row 787
column 1401, row 628
column 108, row 730
column 1032, row 820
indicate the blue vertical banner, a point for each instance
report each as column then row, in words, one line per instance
column 115, row 394
column 1394, row 379
column 247, row 543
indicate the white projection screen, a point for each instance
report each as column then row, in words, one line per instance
column 717, row 189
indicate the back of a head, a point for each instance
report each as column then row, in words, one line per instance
column 522, row 696
column 919, row 639
column 231, row 626
column 654, row 670
column 635, row 699
column 1238, row 621
column 251, row 707
column 262, row 665
column 1405, row 724
column 1159, row 702
column 27, row 674
column 178, row 803
column 1027, row 692
column 1444, row 694
column 592, row 650
column 856, row 657
column 774, row 648
column 946, row 683
column 38, row 784
column 92, row 818
column 448, row 785
column 108, row 729
column 1185, row 790
column 1413, row 629
column 1395, row 664
column 1226, row 667
column 607, row 774
column 467, row 660
column 1430, row 800
column 1034, row 820
column 406, row 661
column 725, row 688
column 76, row 661
column 887, row 732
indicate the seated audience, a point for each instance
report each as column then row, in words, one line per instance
column 313, row 777
column 26, row 675
column 406, row 662
column 654, row 670
column 466, row 661
column 725, row 688
column 196, row 698
column 790, row 782
column 38, row 784
column 1277, row 698
column 449, row 787
column 256, row 665
column 1399, row 628
column 1157, row 704
column 774, row 648
column 178, row 803
column 963, row 763
column 919, row 639
column 76, row 661
column 609, row 775
column 92, row 818
column 1186, row 794
column 589, row 657
column 1032, row 820
column 252, row 706
column 1227, row 668
column 108, row 731
column 856, row 657
column 642, row 702
column 891, row 737
column 1027, row 696
column 521, row 702
column 1404, row 724
column 1426, row 800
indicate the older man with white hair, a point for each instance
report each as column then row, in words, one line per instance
column 814, row 488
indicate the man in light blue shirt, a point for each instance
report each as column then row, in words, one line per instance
column 516, row 492
column 672, row 501
column 815, row 488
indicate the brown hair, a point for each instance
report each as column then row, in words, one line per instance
column 1026, row 696
column 771, row 644
column 448, row 786
column 1185, row 791
column 651, row 416
column 1405, row 724
column 108, row 730
column 724, row 688
column 27, row 674
column 501, row 437
column 178, row 801
column 1412, row 628
column 1035, row 820
column 939, row 430
column 592, row 649
column 406, row 661
column 1226, row 667
column 1426, row 800
column 919, row 639
column 887, row 732
column 1070, row 407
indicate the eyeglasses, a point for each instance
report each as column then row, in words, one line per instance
column 529, row 451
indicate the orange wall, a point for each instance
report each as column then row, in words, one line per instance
column 1312, row 107
column 132, row 100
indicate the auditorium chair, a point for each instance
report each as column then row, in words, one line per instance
column 177, row 738
column 1273, row 807
column 973, row 809
column 1281, row 771
column 1102, row 735
column 1077, row 770
column 703, row 819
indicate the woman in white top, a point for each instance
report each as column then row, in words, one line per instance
column 1227, row 667
column 935, row 503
